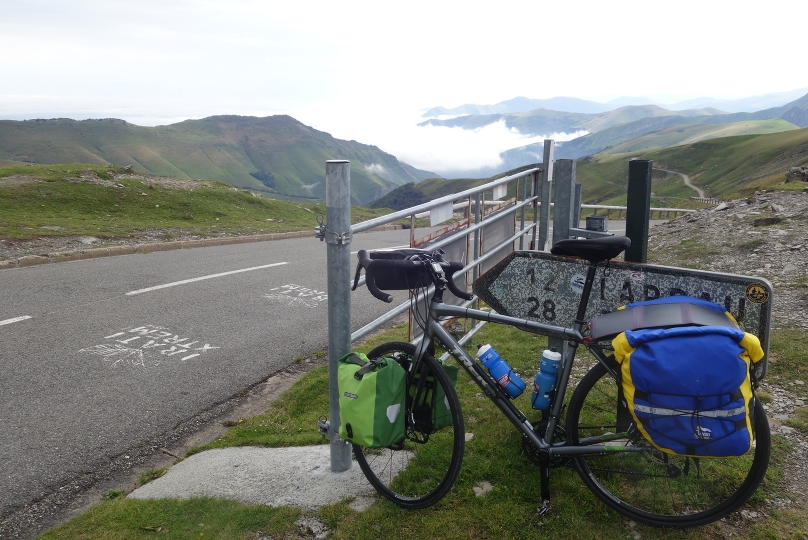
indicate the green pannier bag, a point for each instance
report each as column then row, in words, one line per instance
column 431, row 410
column 371, row 400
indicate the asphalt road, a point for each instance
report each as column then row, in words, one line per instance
column 98, row 356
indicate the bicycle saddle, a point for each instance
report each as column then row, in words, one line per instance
column 594, row 250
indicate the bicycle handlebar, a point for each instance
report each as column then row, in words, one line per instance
column 450, row 284
column 406, row 269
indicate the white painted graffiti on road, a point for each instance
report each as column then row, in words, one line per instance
column 147, row 346
column 296, row 295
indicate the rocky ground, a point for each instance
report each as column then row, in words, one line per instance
column 765, row 235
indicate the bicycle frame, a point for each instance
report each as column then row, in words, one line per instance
column 435, row 330
column 545, row 444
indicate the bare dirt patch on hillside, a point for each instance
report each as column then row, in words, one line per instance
column 18, row 180
column 167, row 182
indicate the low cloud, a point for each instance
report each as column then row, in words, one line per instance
column 440, row 148
column 377, row 168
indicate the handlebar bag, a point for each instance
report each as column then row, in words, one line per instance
column 689, row 388
column 393, row 277
column 431, row 407
column 371, row 400
column 396, row 278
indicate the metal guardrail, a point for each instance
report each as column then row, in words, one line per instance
column 337, row 232
column 662, row 213
column 621, row 209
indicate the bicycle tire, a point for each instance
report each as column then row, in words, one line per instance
column 422, row 469
column 659, row 489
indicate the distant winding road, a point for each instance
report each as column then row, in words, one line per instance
column 699, row 192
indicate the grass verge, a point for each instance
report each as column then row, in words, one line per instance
column 494, row 455
column 123, row 519
column 41, row 201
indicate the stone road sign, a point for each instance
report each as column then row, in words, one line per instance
column 541, row 287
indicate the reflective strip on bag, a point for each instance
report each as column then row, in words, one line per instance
column 659, row 411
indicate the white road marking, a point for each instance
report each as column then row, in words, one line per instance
column 15, row 319
column 183, row 282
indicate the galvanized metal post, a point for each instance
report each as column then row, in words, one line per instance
column 579, row 195
column 563, row 213
column 475, row 252
column 638, row 209
column 338, row 259
column 535, row 190
column 546, row 190
column 476, row 248
column 523, row 182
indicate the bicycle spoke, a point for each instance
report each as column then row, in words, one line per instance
column 654, row 487
column 421, row 469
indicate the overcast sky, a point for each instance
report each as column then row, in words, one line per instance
column 367, row 70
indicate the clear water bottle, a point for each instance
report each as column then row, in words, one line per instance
column 545, row 381
column 501, row 371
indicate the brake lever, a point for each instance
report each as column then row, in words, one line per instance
column 356, row 276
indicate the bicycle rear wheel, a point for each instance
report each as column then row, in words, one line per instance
column 658, row 489
column 420, row 470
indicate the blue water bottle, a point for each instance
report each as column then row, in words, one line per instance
column 501, row 371
column 545, row 381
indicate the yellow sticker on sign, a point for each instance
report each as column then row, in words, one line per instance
column 757, row 293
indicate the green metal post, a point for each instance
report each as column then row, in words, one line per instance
column 638, row 209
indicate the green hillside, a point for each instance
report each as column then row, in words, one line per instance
column 625, row 115
column 688, row 134
column 41, row 201
column 606, row 139
column 274, row 155
column 726, row 166
column 723, row 167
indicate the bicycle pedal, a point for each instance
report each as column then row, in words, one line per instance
column 544, row 508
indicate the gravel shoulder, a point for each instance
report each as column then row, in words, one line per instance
column 767, row 236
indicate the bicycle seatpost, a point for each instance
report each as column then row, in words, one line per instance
column 590, row 279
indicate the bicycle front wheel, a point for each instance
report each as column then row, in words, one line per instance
column 420, row 470
column 652, row 487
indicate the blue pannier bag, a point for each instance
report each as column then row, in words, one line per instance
column 689, row 388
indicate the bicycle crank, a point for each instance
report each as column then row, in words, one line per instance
column 532, row 453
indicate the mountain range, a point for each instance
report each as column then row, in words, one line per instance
column 575, row 105
column 611, row 130
column 277, row 155
column 724, row 167
column 284, row 158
